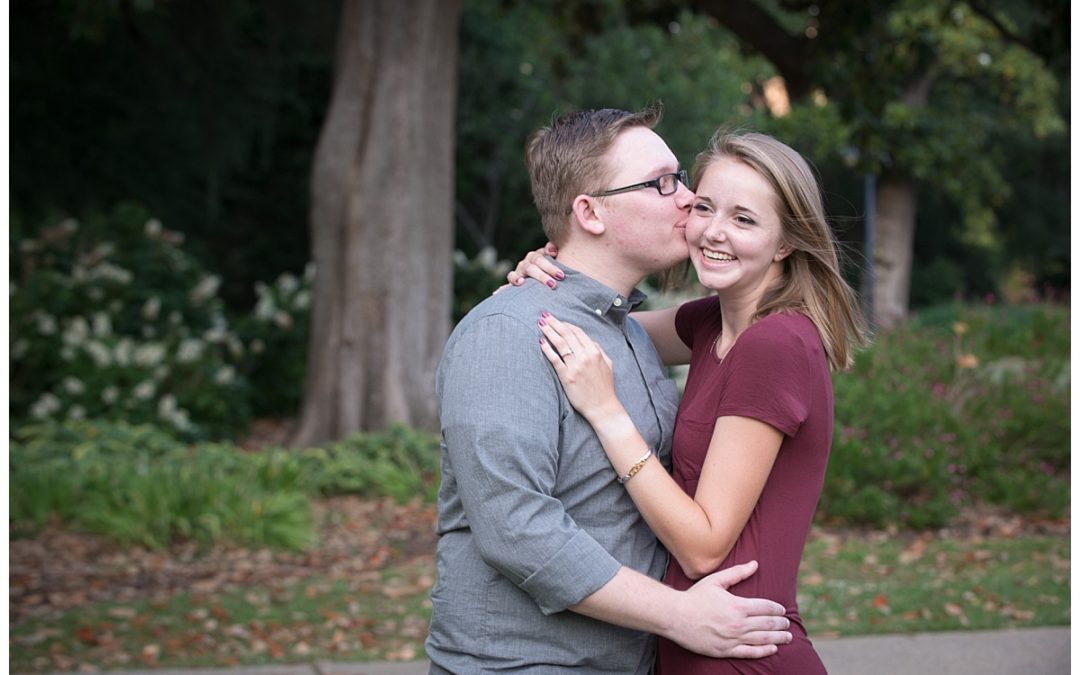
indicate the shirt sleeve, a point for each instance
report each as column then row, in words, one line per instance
column 500, row 409
column 770, row 374
column 693, row 316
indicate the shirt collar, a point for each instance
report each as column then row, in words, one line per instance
column 600, row 299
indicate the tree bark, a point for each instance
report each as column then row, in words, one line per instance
column 894, row 241
column 894, row 237
column 382, row 220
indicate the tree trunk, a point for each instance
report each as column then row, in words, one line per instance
column 382, row 220
column 894, row 238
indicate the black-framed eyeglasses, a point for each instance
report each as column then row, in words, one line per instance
column 667, row 184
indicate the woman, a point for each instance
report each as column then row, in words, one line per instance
column 755, row 424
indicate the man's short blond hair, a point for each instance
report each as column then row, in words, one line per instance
column 567, row 159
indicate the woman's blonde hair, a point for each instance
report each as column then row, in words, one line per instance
column 812, row 282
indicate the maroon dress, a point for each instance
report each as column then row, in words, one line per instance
column 776, row 372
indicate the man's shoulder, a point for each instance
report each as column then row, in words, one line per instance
column 515, row 303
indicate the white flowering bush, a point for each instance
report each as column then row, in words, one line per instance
column 276, row 335
column 111, row 319
column 476, row 278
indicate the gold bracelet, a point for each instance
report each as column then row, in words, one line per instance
column 637, row 466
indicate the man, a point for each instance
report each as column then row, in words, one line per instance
column 544, row 564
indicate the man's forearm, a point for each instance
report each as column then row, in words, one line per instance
column 706, row 619
column 633, row 600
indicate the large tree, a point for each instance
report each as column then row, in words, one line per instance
column 382, row 220
column 924, row 88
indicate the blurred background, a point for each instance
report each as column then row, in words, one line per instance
column 240, row 232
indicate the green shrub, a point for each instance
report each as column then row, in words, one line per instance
column 476, row 279
column 401, row 463
column 963, row 404
column 139, row 485
column 276, row 334
column 111, row 319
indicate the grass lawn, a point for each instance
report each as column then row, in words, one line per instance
column 851, row 584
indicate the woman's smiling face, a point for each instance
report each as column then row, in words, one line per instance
column 734, row 232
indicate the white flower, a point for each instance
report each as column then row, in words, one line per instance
column 236, row 347
column 102, row 324
column 189, row 351
column 152, row 227
column 109, row 394
column 166, row 406
column 486, row 257
column 102, row 250
column 460, row 259
column 73, row 385
column 265, row 308
column 45, row 406
column 288, row 283
column 98, row 352
column 215, row 335
column 77, row 331
column 180, row 419
column 283, row 319
column 124, row 351
column 76, row 412
column 303, row 300
column 144, row 391
column 111, row 272
column 149, row 354
column 205, row 289
column 151, row 308
column 225, row 375
column 46, row 323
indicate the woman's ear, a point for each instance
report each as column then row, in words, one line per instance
column 586, row 212
column 782, row 252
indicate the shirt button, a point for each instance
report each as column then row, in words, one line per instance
column 599, row 312
column 618, row 302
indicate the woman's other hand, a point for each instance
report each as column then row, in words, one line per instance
column 537, row 266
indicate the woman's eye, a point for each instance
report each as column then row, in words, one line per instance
column 744, row 220
column 702, row 208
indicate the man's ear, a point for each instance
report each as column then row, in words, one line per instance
column 586, row 213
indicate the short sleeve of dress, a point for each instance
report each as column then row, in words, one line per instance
column 693, row 315
column 771, row 372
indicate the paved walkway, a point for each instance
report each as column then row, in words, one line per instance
column 1032, row 651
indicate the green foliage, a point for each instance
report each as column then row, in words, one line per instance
column 141, row 486
column 111, row 318
column 965, row 403
column 401, row 463
column 476, row 279
column 276, row 334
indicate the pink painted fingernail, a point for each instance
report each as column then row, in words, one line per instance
column 550, row 283
column 541, row 322
column 545, row 314
column 559, row 275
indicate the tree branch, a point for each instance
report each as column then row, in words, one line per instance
column 757, row 28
